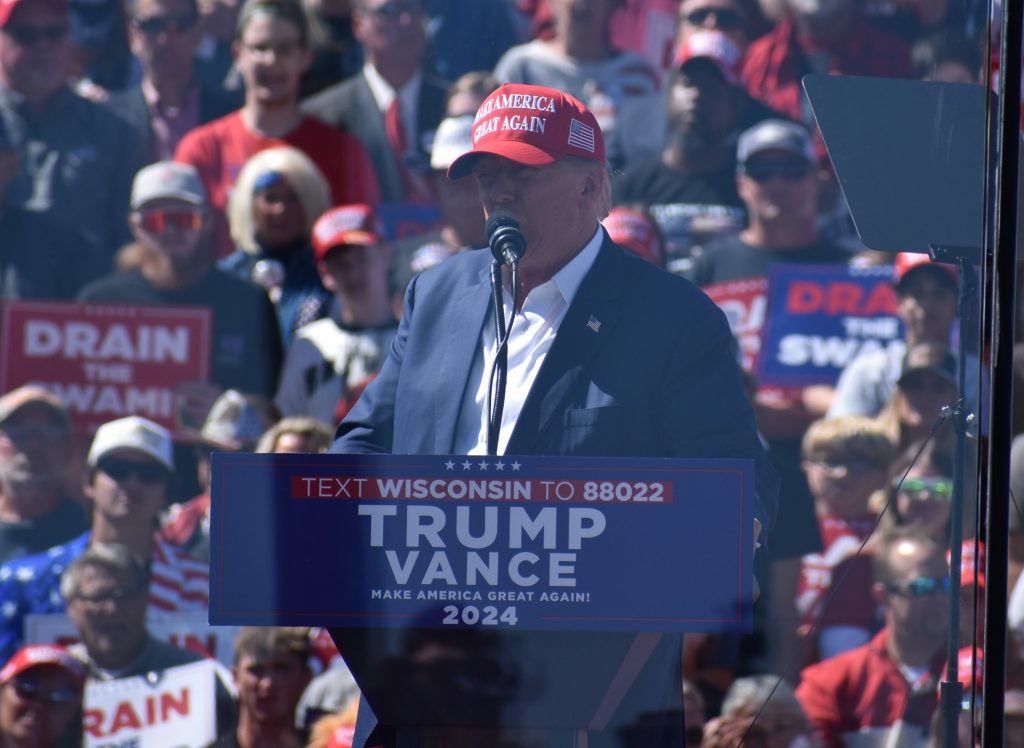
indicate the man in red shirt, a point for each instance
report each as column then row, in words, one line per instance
column 271, row 53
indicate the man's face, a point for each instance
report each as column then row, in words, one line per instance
column 779, row 186
column 357, row 272
column 34, row 50
column 128, row 489
column 109, row 611
column 546, row 200
column 37, row 705
column 582, row 17
column 726, row 16
column 269, row 687
column 701, row 105
column 35, row 446
column 174, row 228
column 922, row 396
column 271, row 59
column 927, row 306
column 391, row 30
column 164, row 35
column 924, row 498
column 844, row 483
column 916, row 601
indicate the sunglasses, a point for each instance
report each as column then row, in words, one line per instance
column 121, row 470
column 28, row 35
column 394, row 10
column 29, row 690
column 940, row 489
column 117, row 596
column 724, row 18
column 21, row 433
column 765, row 171
column 158, row 220
column 921, row 587
column 156, row 25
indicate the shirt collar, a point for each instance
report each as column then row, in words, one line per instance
column 383, row 93
column 569, row 278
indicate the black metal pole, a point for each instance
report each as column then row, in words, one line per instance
column 1000, row 288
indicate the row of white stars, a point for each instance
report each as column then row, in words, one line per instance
column 482, row 465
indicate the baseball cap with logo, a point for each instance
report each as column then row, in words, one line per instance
column 907, row 263
column 236, row 421
column 167, row 180
column 533, row 126
column 972, row 563
column 26, row 395
column 344, row 225
column 132, row 432
column 38, row 655
column 7, row 8
column 713, row 46
column 635, row 231
column 775, row 135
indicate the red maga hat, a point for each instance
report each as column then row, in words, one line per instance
column 36, row 655
column 534, row 126
column 7, row 8
column 346, row 225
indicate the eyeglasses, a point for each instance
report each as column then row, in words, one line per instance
column 156, row 25
column 121, row 470
column 117, row 596
column 158, row 220
column 27, row 36
column 765, row 171
column 20, row 433
column 921, row 587
column 940, row 489
column 29, row 690
column 724, row 18
column 396, row 8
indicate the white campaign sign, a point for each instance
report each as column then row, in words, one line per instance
column 178, row 709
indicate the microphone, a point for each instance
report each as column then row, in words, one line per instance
column 508, row 245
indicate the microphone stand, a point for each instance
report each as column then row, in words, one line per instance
column 500, row 372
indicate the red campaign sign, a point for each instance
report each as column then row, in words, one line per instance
column 106, row 361
column 743, row 302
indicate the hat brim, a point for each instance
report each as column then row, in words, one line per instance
column 526, row 154
column 936, row 370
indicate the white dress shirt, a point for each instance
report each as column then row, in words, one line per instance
column 408, row 99
column 533, row 332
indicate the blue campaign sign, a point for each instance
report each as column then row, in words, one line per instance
column 818, row 318
column 525, row 543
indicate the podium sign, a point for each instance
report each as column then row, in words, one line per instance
column 528, row 543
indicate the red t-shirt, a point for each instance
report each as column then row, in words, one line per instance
column 220, row 148
column 852, row 605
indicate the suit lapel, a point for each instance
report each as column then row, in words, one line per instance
column 462, row 346
column 587, row 325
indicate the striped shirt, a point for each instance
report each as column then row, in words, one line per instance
column 29, row 585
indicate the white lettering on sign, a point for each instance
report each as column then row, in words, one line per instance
column 84, row 340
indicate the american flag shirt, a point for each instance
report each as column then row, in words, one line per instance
column 31, row 584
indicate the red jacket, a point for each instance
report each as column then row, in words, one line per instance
column 863, row 694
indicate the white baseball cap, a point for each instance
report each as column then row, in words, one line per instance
column 136, row 433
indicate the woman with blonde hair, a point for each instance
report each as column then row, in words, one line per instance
column 279, row 193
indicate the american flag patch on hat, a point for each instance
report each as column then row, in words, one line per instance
column 581, row 135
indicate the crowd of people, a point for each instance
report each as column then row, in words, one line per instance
column 284, row 164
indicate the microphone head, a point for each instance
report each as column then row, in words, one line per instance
column 504, row 236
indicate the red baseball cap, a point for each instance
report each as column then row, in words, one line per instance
column 713, row 46
column 635, row 231
column 346, row 225
column 7, row 8
column 533, row 126
column 36, row 655
column 907, row 261
column 968, row 575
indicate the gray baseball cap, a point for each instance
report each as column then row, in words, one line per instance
column 775, row 135
column 164, row 180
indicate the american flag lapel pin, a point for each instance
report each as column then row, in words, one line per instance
column 594, row 323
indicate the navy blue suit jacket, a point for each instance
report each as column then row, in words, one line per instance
column 657, row 378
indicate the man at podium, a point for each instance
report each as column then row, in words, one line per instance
column 607, row 355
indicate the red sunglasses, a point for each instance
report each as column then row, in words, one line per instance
column 158, row 220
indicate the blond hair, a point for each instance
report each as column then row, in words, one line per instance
column 849, row 436
column 303, row 176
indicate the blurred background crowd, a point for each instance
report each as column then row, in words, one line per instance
column 282, row 163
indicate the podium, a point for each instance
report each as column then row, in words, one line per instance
column 491, row 601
